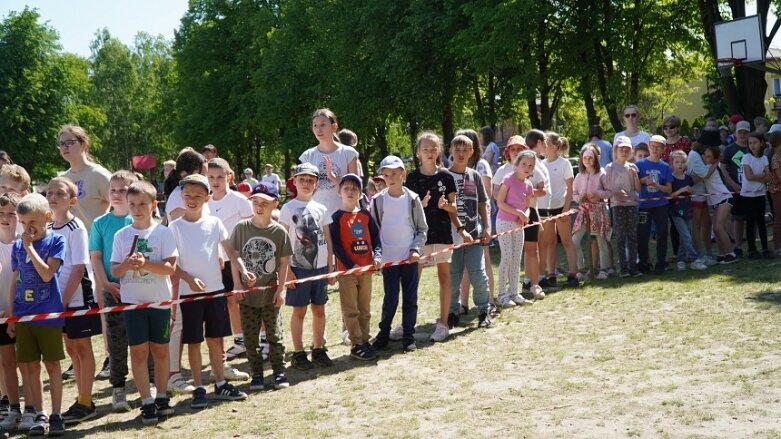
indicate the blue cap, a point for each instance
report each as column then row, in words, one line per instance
column 352, row 177
column 267, row 192
column 196, row 179
column 391, row 162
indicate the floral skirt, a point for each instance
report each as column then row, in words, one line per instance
column 597, row 214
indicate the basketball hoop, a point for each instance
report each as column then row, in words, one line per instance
column 725, row 65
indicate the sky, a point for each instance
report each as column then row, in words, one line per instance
column 77, row 20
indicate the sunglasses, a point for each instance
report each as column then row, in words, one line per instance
column 669, row 127
column 628, row 115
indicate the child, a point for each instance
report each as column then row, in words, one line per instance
column 230, row 207
column 655, row 185
column 356, row 243
column 14, row 178
column 471, row 202
column 719, row 199
column 75, row 281
column 681, row 212
column 641, row 151
column 622, row 182
column 260, row 250
column 101, row 244
column 143, row 257
column 403, row 235
column 8, row 224
column 331, row 158
column 589, row 191
column 534, row 255
column 513, row 198
column 438, row 191
column 701, row 221
column 305, row 221
column 199, row 270
column 774, row 187
column 756, row 173
column 36, row 261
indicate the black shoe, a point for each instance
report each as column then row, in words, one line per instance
column 280, row 381
column 362, row 352
column 624, row 272
column 452, row 321
column 659, row 268
column 69, row 374
column 484, row 321
column 767, row 254
column 78, row 413
column 526, row 287
column 644, row 268
column 738, row 251
column 199, row 399
column 300, row 361
column 635, row 273
column 572, row 282
column 380, row 343
column 149, row 414
column 320, row 357
column 728, row 259
column 493, row 310
column 754, row 255
column 56, row 426
column 548, row 282
column 163, row 406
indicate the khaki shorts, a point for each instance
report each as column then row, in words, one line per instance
column 36, row 343
column 442, row 258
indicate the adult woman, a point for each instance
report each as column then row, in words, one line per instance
column 675, row 142
column 631, row 118
column 90, row 178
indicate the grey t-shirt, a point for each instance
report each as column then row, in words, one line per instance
column 261, row 249
column 327, row 192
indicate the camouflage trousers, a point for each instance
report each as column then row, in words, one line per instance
column 251, row 317
column 116, row 336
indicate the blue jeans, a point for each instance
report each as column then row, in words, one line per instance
column 470, row 257
column 686, row 250
column 406, row 277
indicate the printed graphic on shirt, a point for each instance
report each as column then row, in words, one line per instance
column 80, row 189
column 467, row 211
column 309, row 237
column 259, row 256
column 324, row 182
column 737, row 159
column 143, row 247
column 358, row 229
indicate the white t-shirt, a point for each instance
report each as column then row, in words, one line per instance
column 155, row 243
column 175, row 202
column 6, row 275
column 199, row 251
column 396, row 232
column 559, row 171
column 270, row 180
column 501, row 173
column 231, row 209
column 540, row 175
column 640, row 137
column 305, row 221
column 757, row 166
column 326, row 193
column 77, row 253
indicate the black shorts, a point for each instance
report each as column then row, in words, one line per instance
column 530, row 233
column 227, row 276
column 5, row 339
column 210, row 312
column 547, row 213
column 82, row 326
column 738, row 207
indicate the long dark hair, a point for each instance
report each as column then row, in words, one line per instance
column 189, row 161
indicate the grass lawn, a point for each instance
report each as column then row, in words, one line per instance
column 686, row 354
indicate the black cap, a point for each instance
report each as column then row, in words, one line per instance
column 709, row 137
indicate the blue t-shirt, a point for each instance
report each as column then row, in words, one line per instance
column 33, row 295
column 661, row 173
column 101, row 238
column 682, row 206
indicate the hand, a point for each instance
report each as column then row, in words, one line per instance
column 332, row 280
column 240, row 296
column 426, row 199
column 248, row 279
column 279, row 299
column 291, row 279
column 197, row 285
column 11, row 331
column 486, row 236
column 522, row 218
column 27, row 238
column 467, row 237
column 377, row 265
column 329, row 167
column 136, row 261
column 442, row 203
column 113, row 289
column 173, row 315
column 414, row 256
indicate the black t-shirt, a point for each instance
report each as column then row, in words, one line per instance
column 732, row 157
column 438, row 220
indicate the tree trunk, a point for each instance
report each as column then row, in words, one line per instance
column 479, row 107
column 448, row 130
column 413, row 136
column 534, row 115
column 588, row 100
column 491, row 98
column 382, row 140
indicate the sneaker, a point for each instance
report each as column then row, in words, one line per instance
column 493, row 310
column 149, row 414
column 548, row 283
column 410, row 347
column 76, row 413
column 660, row 267
column 765, row 254
column 380, row 343
column 69, row 374
column 229, row 393
column 236, row 351
column 484, row 320
column 611, row 271
column 602, row 275
column 119, row 400
column 346, row 338
column 320, row 357
column 709, row 260
column 537, row 292
column 452, row 320
column 526, row 287
column 27, row 419
column 635, row 273
column 233, row 374
column 396, row 333
column 178, row 385
column 199, row 399
column 265, row 348
column 754, row 255
column 506, row 303
column 301, row 361
column 11, row 421
column 624, row 273
column 681, row 266
column 105, row 371
column 698, row 265
column 163, row 406
column 40, row 424
column 362, row 352
column 441, row 332
column 257, row 383
column 572, row 282
column 56, row 425
column 521, row 301
column 728, row 259
column 737, row 252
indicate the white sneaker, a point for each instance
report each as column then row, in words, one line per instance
column 681, row 266
column 346, row 338
column 709, row 260
column 611, row 271
column 698, row 265
column 602, row 275
column 521, row 301
column 441, row 332
column 235, row 351
column 233, row 374
column 26, row 422
column 178, row 385
column 537, row 292
column 119, row 400
column 506, row 303
column 396, row 333
column 11, row 421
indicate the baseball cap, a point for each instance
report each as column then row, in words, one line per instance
column 724, row 127
column 735, row 118
column 391, row 162
column 248, row 171
column 267, row 192
column 658, row 139
column 622, row 141
column 197, row 179
column 307, row 169
column 352, row 177
column 743, row 125
column 516, row 140
column 243, row 187
column 709, row 137
column 774, row 128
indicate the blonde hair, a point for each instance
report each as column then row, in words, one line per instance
column 77, row 132
column 70, row 187
column 678, row 153
column 220, row 163
column 124, row 176
column 143, row 188
column 16, row 173
column 33, row 203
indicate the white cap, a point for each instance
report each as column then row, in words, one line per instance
column 658, row 139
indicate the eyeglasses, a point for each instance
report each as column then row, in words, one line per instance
column 629, row 115
column 669, row 127
column 67, row 143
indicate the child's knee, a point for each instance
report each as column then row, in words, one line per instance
column 318, row 310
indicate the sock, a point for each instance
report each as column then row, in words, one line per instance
column 238, row 338
column 149, row 400
column 86, row 401
column 41, row 412
column 221, row 383
column 29, row 408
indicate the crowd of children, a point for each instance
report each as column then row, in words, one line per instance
column 95, row 240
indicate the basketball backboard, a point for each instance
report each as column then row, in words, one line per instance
column 741, row 40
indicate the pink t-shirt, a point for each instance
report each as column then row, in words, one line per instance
column 519, row 193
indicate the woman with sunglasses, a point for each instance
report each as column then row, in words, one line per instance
column 636, row 136
column 675, row 142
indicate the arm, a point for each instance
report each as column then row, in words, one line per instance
column 488, row 187
column 456, row 221
column 279, row 295
column 750, row 176
column 576, row 195
column 166, row 267
column 482, row 209
column 195, row 283
column 568, row 193
column 420, row 232
column 46, row 269
column 77, row 273
column 727, row 179
column 501, row 196
column 338, row 248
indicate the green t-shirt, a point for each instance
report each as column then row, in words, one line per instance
column 261, row 249
column 101, row 237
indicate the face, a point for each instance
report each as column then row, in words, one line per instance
column 194, row 196
column 218, row 179
column 428, row 151
column 8, row 185
column 670, row 129
column 35, row 223
column 551, row 149
column 755, row 145
column 269, row 170
column 393, row 177
column 8, row 218
column 623, row 152
column 306, row 184
column 69, row 146
column 630, row 116
column 461, row 153
column 640, row 154
column 514, row 150
column 117, row 194
column 141, row 206
column 708, row 158
column 323, row 129
column 263, row 207
column 741, row 136
column 525, row 167
column 588, row 160
column 167, row 170
column 58, row 197
column 679, row 164
column 656, row 149
column 350, row 192
column 710, row 124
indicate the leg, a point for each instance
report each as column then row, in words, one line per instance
column 138, row 364
column 10, row 378
column 364, row 305
column 250, row 321
column 214, row 344
column 409, row 307
column 456, row 275
column 318, row 325
column 276, row 354
column 576, row 238
column 720, row 218
column 776, row 220
column 507, row 263
column 194, row 356
column 604, row 253
column 296, row 328
column 489, row 271
column 55, row 384
column 175, row 344
column 71, row 350
column 565, row 234
column 547, row 243
column 391, row 278
column 643, row 236
column 160, row 357
column 464, row 297
column 474, row 261
column 86, row 371
column 661, row 218
column 620, row 226
column 31, row 378
column 348, row 300
column 117, row 344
